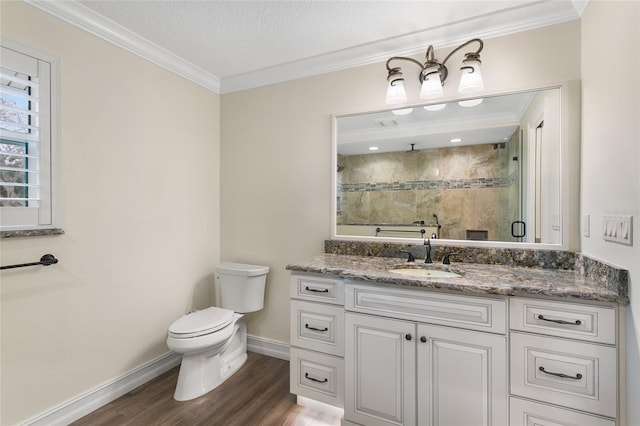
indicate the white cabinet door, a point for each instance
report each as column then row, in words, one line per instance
column 462, row 377
column 380, row 370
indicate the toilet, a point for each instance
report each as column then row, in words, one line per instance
column 213, row 341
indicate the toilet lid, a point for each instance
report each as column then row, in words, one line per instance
column 198, row 322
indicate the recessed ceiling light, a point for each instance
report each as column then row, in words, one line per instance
column 373, row 148
column 455, row 140
column 404, row 111
column 470, row 102
column 436, row 107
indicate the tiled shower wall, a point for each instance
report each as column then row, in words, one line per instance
column 468, row 187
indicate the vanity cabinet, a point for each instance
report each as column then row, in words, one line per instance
column 317, row 338
column 392, row 355
column 412, row 372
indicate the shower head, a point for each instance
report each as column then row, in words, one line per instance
column 413, row 149
column 340, row 168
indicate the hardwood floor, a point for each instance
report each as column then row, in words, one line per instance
column 258, row 394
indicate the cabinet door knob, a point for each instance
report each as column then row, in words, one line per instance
column 423, row 339
column 408, row 336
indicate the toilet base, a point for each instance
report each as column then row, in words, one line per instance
column 201, row 373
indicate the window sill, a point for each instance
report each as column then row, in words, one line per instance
column 31, row 233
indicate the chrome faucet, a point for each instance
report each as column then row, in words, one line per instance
column 427, row 250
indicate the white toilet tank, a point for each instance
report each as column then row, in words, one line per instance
column 242, row 286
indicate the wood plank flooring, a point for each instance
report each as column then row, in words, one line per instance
column 257, row 395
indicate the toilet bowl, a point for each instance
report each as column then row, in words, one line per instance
column 213, row 341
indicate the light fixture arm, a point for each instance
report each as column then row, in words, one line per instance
column 471, row 56
column 395, row 74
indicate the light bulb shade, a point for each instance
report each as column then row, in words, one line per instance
column 471, row 78
column 395, row 92
column 431, row 86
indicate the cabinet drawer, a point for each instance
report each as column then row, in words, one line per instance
column 317, row 288
column 529, row 413
column 563, row 372
column 317, row 376
column 475, row 313
column 318, row 327
column 572, row 320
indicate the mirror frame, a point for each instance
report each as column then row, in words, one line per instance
column 570, row 110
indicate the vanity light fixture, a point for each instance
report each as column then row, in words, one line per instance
column 433, row 75
column 455, row 140
column 373, row 148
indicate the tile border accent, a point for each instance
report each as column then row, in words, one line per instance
column 475, row 183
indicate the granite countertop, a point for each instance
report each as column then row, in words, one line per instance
column 476, row 278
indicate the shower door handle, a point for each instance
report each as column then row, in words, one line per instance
column 513, row 229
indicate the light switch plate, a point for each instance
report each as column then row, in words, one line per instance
column 618, row 229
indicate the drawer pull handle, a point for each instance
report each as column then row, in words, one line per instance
column 408, row 336
column 423, row 339
column 576, row 322
column 316, row 329
column 313, row 379
column 315, row 290
column 578, row 376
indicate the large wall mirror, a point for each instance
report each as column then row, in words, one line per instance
column 494, row 171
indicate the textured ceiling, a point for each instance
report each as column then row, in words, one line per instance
column 243, row 44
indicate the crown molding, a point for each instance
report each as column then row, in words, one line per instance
column 524, row 17
column 96, row 24
column 519, row 18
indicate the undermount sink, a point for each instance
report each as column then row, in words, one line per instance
column 424, row 271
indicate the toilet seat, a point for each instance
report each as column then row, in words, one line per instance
column 200, row 323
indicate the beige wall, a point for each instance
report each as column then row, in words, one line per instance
column 276, row 150
column 69, row 328
column 140, row 182
column 611, row 152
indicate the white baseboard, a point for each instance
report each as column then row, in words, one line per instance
column 90, row 401
column 84, row 404
column 268, row 347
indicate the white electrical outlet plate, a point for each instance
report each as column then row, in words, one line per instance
column 618, row 229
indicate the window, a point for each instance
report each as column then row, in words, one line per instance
column 29, row 163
